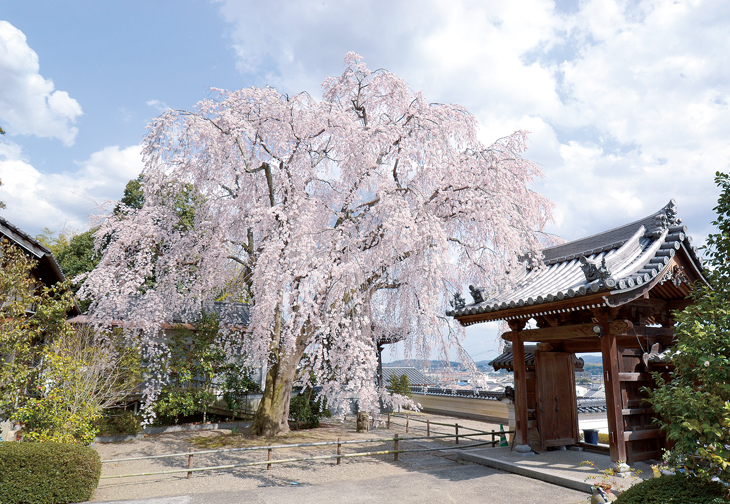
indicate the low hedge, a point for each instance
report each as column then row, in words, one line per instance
column 47, row 473
column 676, row 489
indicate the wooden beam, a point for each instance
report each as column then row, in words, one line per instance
column 642, row 434
column 638, row 457
column 636, row 411
column 614, row 409
column 518, row 355
column 582, row 346
column 634, row 377
column 654, row 303
column 576, row 331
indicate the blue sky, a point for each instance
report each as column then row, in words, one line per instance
column 627, row 102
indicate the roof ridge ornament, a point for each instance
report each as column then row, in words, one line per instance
column 458, row 302
column 476, row 293
column 593, row 271
column 664, row 220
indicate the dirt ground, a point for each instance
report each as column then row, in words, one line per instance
column 290, row 473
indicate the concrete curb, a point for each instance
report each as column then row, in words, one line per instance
column 573, row 484
column 172, row 428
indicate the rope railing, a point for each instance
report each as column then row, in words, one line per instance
column 301, row 459
column 270, row 448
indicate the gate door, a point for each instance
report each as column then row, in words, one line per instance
column 557, row 415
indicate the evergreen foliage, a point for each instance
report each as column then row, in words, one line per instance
column 677, row 489
column 694, row 404
column 399, row 384
column 53, row 379
column 79, row 255
column 307, row 411
column 47, row 473
column 198, row 365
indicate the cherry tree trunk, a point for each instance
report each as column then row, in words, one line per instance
column 272, row 416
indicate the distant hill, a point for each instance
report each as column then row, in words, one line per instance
column 483, row 365
column 592, row 358
column 421, row 364
column 435, row 365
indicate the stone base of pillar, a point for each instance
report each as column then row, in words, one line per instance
column 523, row 449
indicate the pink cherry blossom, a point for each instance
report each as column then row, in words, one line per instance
column 342, row 221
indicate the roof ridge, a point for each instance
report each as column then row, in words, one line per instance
column 624, row 226
column 15, row 229
column 606, row 240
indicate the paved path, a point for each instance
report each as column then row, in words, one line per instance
column 448, row 483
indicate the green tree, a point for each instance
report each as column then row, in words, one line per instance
column 199, row 366
column 133, row 197
column 55, row 242
column 32, row 317
column 79, row 256
column 399, row 384
column 54, row 379
column 75, row 254
column 694, row 404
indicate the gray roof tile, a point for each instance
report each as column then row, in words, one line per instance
column 415, row 377
column 619, row 260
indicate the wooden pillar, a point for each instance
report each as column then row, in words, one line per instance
column 612, row 386
column 518, row 357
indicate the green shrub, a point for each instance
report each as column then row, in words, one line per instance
column 115, row 423
column 47, row 473
column 677, row 489
column 306, row 411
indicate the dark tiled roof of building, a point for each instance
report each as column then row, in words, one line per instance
column 49, row 270
column 615, row 261
column 506, row 359
column 415, row 377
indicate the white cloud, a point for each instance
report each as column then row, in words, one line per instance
column 628, row 102
column 29, row 103
column 36, row 200
column 158, row 105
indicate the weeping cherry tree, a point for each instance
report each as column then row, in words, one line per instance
column 342, row 222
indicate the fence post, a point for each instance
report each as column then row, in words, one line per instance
column 190, row 463
column 428, row 428
column 456, row 428
column 494, row 443
column 395, row 449
column 268, row 466
column 407, row 418
column 339, row 450
column 389, row 420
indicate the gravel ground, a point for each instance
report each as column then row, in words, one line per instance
column 354, row 470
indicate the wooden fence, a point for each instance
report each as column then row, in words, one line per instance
column 189, row 456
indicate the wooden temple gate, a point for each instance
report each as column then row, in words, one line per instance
column 611, row 293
